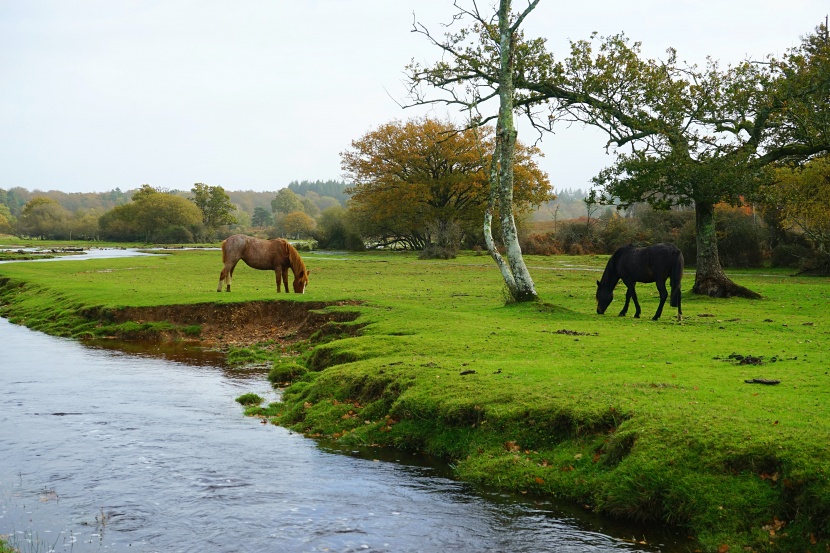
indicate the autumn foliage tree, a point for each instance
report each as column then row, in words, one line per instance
column 801, row 195
column 298, row 224
column 413, row 181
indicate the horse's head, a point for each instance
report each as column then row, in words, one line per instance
column 605, row 294
column 301, row 281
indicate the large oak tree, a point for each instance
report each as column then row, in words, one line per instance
column 687, row 135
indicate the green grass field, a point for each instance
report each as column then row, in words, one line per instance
column 637, row 419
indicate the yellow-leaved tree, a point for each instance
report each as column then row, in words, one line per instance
column 423, row 183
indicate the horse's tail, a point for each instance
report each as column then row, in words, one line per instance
column 676, row 276
column 224, row 252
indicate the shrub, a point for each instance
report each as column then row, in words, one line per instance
column 579, row 238
column 619, row 232
column 740, row 239
column 336, row 231
column 175, row 234
column 541, row 244
column 249, row 399
column 660, row 225
column 285, row 372
column 445, row 239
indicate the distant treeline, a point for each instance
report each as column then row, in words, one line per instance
column 569, row 204
column 245, row 200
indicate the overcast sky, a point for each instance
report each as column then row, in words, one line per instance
column 98, row 94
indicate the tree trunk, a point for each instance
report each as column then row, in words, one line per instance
column 710, row 280
column 522, row 287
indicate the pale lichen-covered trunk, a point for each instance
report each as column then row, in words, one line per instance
column 504, row 267
column 515, row 273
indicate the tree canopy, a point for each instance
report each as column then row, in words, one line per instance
column 802, row 197
column 43, row 217
column 215, row 205
column 286, row 201
column 693, row 136
column 152, row 215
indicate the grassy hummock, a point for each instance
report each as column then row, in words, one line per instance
column 679, row 423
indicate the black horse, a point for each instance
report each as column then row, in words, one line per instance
column 652, row 264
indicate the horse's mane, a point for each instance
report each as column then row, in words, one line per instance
column 297, row 265
column 611, row 273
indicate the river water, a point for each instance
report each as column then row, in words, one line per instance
column 103, row 450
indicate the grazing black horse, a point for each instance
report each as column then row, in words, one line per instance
column 652, row 264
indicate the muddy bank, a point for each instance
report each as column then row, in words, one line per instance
column 235, row 324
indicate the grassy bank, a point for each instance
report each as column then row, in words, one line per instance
column 634, row 418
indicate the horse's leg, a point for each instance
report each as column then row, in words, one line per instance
column 661, row 287
column 679, row 310
column 285, row 278
column 230, row 275
column 628, row 294
column 676, row 292
column 636, row 303
column 631, row 294
column 225, row 275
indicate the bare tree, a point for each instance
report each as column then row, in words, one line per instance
column 482, row 62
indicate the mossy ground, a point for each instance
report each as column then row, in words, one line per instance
column 635, row 418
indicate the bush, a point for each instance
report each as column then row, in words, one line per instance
column 175, row 234
column 788, row 255
column 541, row 244
column 687, row 242
column 283, row 372
column 445, row 240
column 618, row 232
column 580, row 238
column 336, row 231
column 249, row 399
column 660, row 225
column 741, row 241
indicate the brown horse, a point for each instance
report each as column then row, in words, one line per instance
column 270, row 255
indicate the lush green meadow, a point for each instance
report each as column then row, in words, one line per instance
column 633, row 418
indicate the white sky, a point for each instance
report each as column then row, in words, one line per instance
column 98, row 94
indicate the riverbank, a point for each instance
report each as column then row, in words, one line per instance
column 633, row 418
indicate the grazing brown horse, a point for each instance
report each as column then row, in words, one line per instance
column 269, row 255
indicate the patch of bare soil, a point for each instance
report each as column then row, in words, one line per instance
column 242, row 324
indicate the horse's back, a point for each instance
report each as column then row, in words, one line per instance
column 662, row 259
column 647, row 264
column 233, row 247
